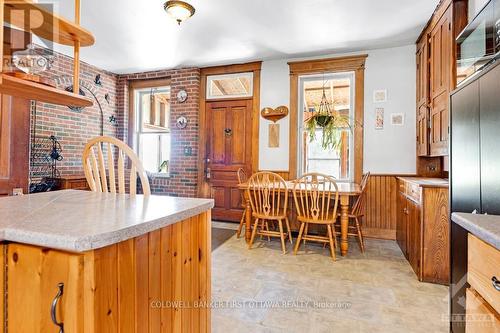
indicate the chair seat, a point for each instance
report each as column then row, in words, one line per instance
column 270, row 218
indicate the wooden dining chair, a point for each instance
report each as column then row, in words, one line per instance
column 242, row 178
column 103, row 175
column 268, row 195
column 316, row 199
column 356, row 214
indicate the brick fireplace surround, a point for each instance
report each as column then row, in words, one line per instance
column 74, row 128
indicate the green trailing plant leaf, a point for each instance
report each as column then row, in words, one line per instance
column 332, row 126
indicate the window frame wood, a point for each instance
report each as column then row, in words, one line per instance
column 354, row 64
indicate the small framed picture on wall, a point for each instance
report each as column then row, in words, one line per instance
column 379, row 118
column 380, row 96
column 397, row 119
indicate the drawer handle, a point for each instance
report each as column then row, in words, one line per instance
column 496, row 283
column 53, row 307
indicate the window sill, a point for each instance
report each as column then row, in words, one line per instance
column 158, row 175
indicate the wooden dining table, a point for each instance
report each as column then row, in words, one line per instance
column 346, row 191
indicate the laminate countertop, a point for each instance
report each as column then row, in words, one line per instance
column 426, row 182
column 485, row 227
column 79, row 221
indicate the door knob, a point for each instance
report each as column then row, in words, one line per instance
column 228, row 131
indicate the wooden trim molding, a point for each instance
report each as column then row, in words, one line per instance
column 254, row 67
column 354, row 64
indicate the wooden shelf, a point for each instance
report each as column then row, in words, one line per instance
column 50, row 26
column 14, row 86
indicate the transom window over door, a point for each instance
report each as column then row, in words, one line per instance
column 152, row 128
column 312, row 157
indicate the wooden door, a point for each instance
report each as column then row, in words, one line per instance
column 441, row 55
column 423, row 97
column 401, row 223
column 229, row 147
column 414, row 242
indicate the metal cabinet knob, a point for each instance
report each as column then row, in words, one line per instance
column 496, row 283
column 53, row 308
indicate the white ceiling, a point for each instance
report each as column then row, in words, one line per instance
column 134, row 36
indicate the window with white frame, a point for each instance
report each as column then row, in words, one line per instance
column 312, row 157
column 237, row 85
column 152, row 130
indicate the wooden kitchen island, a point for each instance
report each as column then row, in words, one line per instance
column 102, row 262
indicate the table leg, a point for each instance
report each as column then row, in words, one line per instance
column 248, row 221
column 344, row 222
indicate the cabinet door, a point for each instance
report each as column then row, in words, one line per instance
column 414, row 243
column 33, row 277
column 441, row 43
column 401, row 223
column 423, row 131
column 489, row 111
column 422, row 58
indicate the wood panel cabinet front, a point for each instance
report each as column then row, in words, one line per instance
column 157, row 282
column 441, row 68
column 422, row 230
column 414, row 237
column 422, row 58
column 481, row 318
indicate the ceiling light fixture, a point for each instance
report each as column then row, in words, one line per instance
column 179, row 10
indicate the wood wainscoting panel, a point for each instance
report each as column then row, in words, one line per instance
column 381, row 212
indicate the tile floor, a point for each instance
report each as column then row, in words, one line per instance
column 261, row 290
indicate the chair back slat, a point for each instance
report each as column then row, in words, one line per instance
column 95, row 168
column 268, row 194
column 121, row 173
column 111, row 169
column 133, row 180
column 359, row 206
column 95, row 172
column 316, row 198
column 102, row 169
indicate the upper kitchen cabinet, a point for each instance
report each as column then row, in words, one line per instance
column 436, row 76
column 423, row 96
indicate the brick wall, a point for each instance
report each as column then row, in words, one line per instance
column 183, row 168
column 74, row 128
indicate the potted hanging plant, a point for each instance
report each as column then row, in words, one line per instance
column 332, row 124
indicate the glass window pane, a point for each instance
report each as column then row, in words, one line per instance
column 328, row 167
column 164, row 153
column 154, row 109
column 230, row 85
column 337, row 89
column 148, row 151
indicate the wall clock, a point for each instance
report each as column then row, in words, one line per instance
column 182, row 96
column 181, row 122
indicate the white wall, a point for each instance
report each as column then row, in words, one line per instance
column 391, row 150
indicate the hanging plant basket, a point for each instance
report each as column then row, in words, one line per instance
column 332, row 126
column 322, row 120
